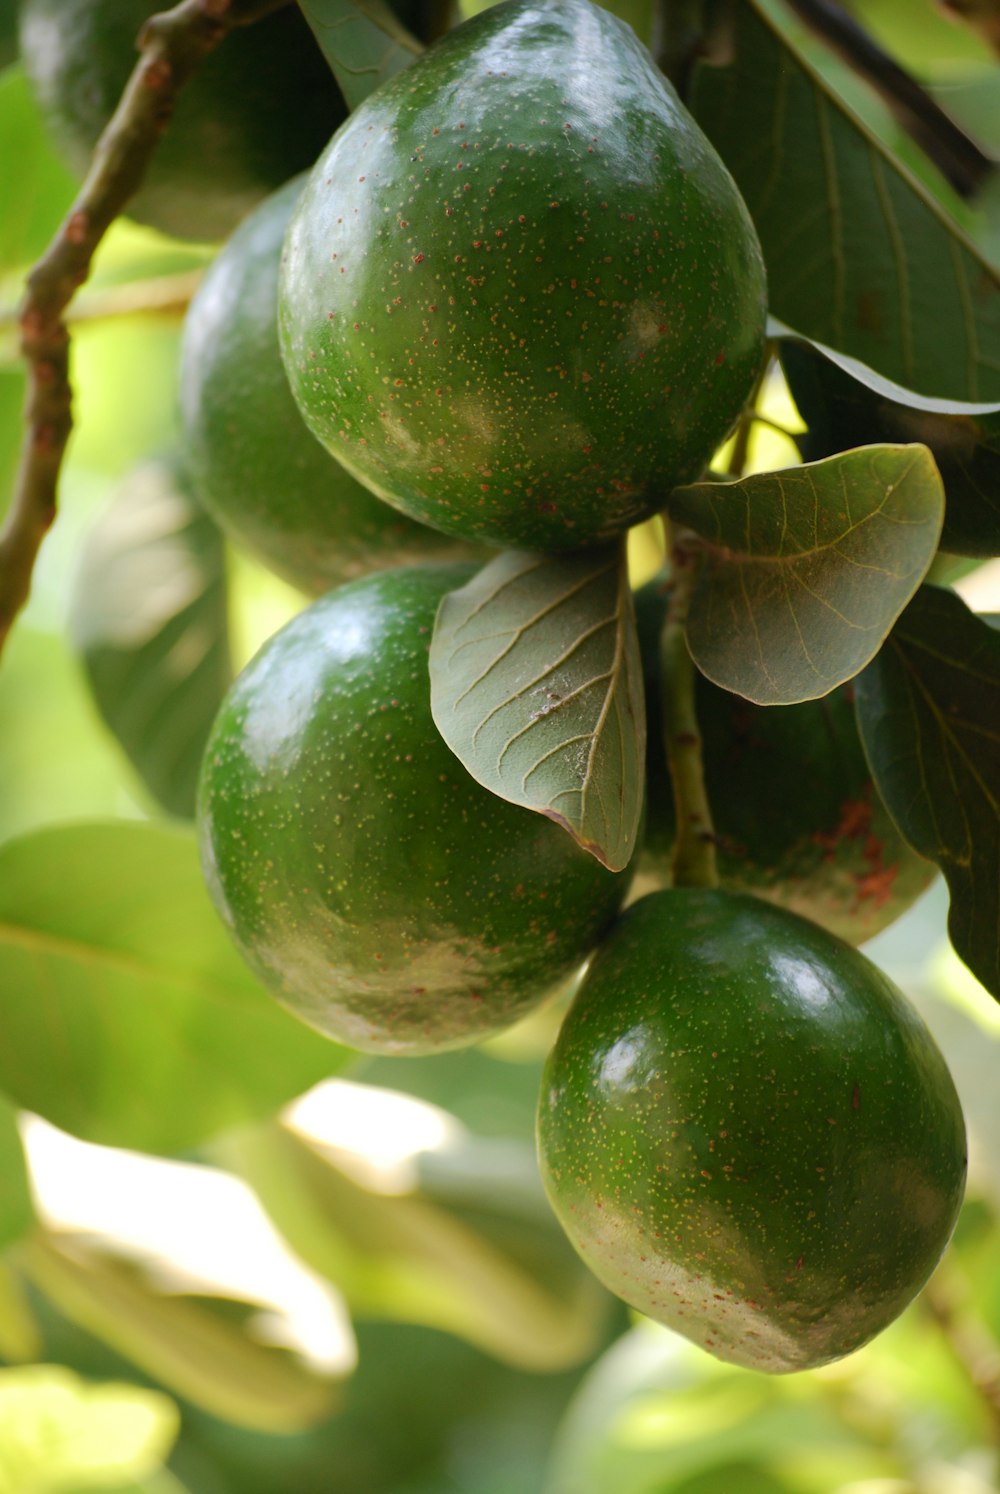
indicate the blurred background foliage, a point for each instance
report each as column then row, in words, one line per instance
column 364, row 1292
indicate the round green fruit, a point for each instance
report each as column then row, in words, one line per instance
column 371, row 883
column 797, row 817
column 748, row 1133
column 522, row 297
column 259, row 471
column 261, row 107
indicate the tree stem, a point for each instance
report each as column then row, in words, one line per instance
column 172, row 45
column 694, row 860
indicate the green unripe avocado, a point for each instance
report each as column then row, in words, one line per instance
column 522, row 297
column 261, row 107
column 259, row 471
column 797, row 816
column 370, row 882
column 748, row 1133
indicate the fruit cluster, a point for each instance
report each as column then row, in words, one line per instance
column 520, row 300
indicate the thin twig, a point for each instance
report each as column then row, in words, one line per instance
column 172, row 45
column 959, row 159
column 160, row 295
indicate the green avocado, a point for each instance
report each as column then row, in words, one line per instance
column 260, row 108
column 370, row 882
column 522, row 297
column 796, row 814
column 748, row 1133
column 257, row 468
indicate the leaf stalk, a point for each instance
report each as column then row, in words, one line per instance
column 694, row 859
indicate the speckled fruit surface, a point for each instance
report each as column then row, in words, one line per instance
column 256, row 466
column 261, row 107
column 797, row 816
column 748, row 1133
column 522, row 297
column 374, row 886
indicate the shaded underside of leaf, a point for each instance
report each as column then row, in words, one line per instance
column 17, row 1213
column 150, row 622
column 182, row 1343
column 806, row 570
column 503, row 1277
column 362, row 40
column 929, row 716
column 536, row 686
column 858, row 254
column 846, row 404
column 128, row 1017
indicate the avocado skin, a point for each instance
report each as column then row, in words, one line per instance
column 797, row 817
column 260, row 108
column 748, row 1133
column 257, row 468
column 522, row 298
column 370, row 882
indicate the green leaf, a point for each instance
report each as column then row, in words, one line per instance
column 473, row 1249
column 185, row 1345
column 60, row 1435
column 846, row 404
column 36, row 190
column 806, row 570
column 858, row 254
column 536, row 686
column 128, row 1017
column 17, row 1214
column 150, row 621
column 929, row 716
column 362, row 40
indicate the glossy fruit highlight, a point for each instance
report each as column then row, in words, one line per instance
column 261, row 107
column 371, row 883
column 257, row 468
column 522, row 298
column 794, row 807
column 748, row 1133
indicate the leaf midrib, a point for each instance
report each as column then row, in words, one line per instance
column 64, row 947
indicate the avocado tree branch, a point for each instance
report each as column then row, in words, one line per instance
column 956, row 156
column 172, row 45
column 694, row 860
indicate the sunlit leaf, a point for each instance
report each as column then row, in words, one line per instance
column 194, row 1351
column 654, row 1416
column 858, row 253
column 127, row 1016
column 807, row 569
column 929, row 716
column 150, row 622
column 846, row 404
column 362, row 40
column 59, row 1434
column 473, row 1249
column 536, row 685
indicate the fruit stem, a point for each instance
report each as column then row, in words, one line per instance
column 694, row 861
